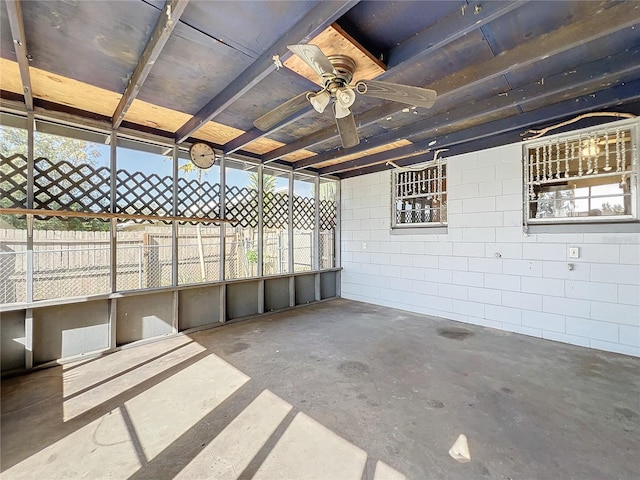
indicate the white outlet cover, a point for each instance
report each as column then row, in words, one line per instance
column 574, row 252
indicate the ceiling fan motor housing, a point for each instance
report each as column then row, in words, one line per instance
column 344, row 67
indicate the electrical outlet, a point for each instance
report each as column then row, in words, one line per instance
column 364, row 245
column 574, row 252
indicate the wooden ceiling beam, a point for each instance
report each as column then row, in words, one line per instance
column 586, row 79
column 322, row 15
column 167, row 21
column 446, row 31
column 538, row 49
column 14, row 12
column 603, row 99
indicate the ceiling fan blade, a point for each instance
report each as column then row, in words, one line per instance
column 347, row 130
column 313, row 56
column 420, row 97
column 282, row 112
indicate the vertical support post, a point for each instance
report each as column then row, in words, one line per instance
column 260, row 218
column 315, row 258
column 337, row 242
column 223, row 228
column 113, row 192
column 113, row 318
column 174, row 224
column 176, row 307
column 28, row 339
column 223, row 214
column 30, row 202
column 292, row 283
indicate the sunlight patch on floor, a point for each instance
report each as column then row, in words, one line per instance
column 92, row 397
column 227, row 455
column 163, row 412
column 311, row 451
column 105, row 440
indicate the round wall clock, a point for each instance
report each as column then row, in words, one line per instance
column 202, row 155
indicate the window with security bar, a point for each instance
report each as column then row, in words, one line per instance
column 420, row 196
column 590, row 175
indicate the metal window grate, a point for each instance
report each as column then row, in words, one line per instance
column 420, row 196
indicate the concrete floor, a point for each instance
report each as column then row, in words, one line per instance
column 337, row 390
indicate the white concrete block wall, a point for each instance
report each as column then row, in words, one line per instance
column 484, row 270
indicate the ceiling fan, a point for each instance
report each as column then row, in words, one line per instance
column 336, row 73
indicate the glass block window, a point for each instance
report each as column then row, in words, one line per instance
column 590, row 175
column 420, row 196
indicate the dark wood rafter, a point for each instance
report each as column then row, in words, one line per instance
column 14, row 12
column 586, row 79
column 443, row 33
column 610, row 20
column 316, row 20
column 603, row 99
column 167, row 21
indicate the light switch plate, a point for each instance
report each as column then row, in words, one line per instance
column 574, row 252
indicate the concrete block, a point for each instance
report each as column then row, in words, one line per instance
column 509, row 171
column 503, row 314
column 454, row 177
column 484, row 322
column 470, row 279
column 439, row 303
column 624, row 274
column 630, row 254
column 562, row 270
column 479, row 234
column 465, row 161
column 484, row 295
column 464, row 190
column 545, row 321
column 485, row 173
column 606, row 292
column 512, row 186
column 563, row 337
column 512, row 218
column 471, row 249
column 437, row 275
column 452, row 291
column 490, row 189
column 543, row 286
column 480, row 204
column 615, row 347
column 453, row 263
column 468, row 308
column 485, row 265
column 509, row 202
column 503, row 250
column 566, row 306
column 629, row 294
column 511, row 234
column 592, row 329
column 545, row 251
column 526, row 301
column 598, row 253
column 503, row 282
column 425, row 288
column 413, row 273
column 629, row 335
column 525, row 268
column 532, row 332
column 616, row 313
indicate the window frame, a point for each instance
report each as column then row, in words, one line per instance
column 440, row 181
column 633, row 126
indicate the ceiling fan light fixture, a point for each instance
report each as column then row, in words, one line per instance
column 345, row 97
column 320, row 101
column 340, row 110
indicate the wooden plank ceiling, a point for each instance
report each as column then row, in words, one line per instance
column 206, row 70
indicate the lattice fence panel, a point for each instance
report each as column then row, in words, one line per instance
column 141, row 194
column 13, row 181
column 65, row 186
column 303, row 213
column 275, row 212
column 241, row 204
column 327, row 214
column 198, row 199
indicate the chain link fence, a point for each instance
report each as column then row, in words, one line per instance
column 13, row 275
